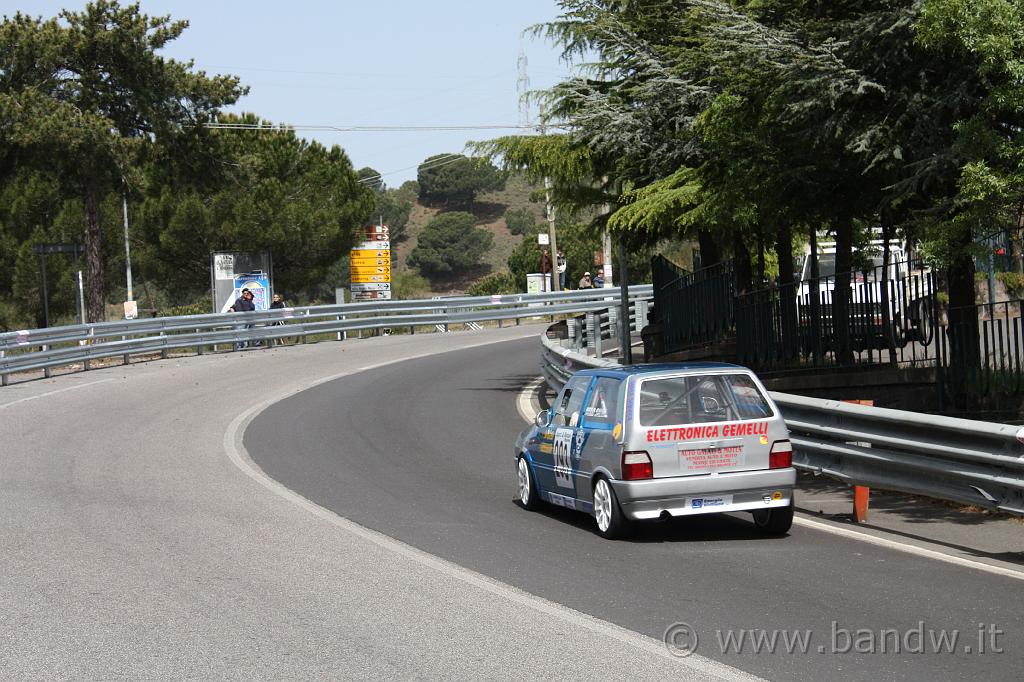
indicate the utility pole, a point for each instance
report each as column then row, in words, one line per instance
column 127, row 248
column 627, row 336
column 550, row 211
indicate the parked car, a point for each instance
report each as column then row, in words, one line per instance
column 648, row 442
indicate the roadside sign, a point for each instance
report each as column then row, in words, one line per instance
column 368, row 262
column 371, row 253
column 370, row 265
column 373, row 245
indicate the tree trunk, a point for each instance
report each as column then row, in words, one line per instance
column 964, row 344
column 841, row 293
column 743, row 268
column 1015, row 241
column 787, row 291
column 760, row 283
column 710, row 254
column 94, row 264
column 883, row 289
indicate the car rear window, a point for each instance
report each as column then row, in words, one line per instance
column 701, row 399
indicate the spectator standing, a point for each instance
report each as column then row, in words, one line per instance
column 599, row 280
column 278, row 304
column 585, row 282
column 561, row 264
column 244, row 304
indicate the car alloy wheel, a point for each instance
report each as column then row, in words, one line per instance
column 610, row 522
column 526, row 488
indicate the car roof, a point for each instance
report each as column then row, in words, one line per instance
column 659, row 368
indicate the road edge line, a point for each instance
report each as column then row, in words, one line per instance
column 926, row 552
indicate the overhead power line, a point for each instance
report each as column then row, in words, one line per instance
column 436, row 163
column 364, row 129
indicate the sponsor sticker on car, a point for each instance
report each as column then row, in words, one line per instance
column 708, row 502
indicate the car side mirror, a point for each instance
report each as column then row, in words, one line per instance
column 543, row 418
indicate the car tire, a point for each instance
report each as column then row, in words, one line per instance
column 527, row 487
column 774, row 521
column 611, row 523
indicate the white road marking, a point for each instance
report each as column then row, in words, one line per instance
column 526, row 402
column 54, row 392
column 530, row 390
column 909, row 549
column 238, row 455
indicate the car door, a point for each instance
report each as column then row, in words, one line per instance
column 556, row 474
column 595, row 439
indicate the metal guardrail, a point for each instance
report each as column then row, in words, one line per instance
column 36, row 349
column 960, row 460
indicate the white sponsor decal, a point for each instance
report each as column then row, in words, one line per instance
column 562, row 450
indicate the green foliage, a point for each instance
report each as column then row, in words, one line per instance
column 394, row 211
column 190, row 309
column 408, row 285
column 1014, row 283
column 371, row 178
column 495, row 283
column 88, row 97
column 520, row 220
column 450, row 244
column 295, row 198
column 455, row 179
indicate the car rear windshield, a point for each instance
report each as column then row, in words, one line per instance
column 701, row 399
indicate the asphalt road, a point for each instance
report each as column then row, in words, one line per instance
column 421, row 451
column 138, row 542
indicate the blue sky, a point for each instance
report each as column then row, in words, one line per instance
column 349, row 63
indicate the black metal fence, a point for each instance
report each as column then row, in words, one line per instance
column 694, row 308
column 981, row 357
column 886, row 316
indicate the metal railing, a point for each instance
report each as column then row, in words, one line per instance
column 44, row 349
column 970, row 462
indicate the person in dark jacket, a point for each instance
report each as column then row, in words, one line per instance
column 244, row 304
column 278, row 304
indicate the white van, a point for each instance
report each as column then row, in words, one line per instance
column 908, row 288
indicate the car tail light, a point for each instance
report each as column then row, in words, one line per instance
column 636, row 466
column 781, row 455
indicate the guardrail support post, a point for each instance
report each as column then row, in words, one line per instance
column 124, row 358
column 594, row 334
column 88, row 363
column 47, row 372
column 5, row 378
column 163, row 351
column 614, row 330
column 200, row 349
column 642, row 309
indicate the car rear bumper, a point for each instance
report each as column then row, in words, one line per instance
column 709, row 494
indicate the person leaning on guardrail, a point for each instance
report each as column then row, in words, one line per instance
column 244, row 304
column 278, row 304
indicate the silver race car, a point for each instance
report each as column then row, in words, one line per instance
column 659, row 441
